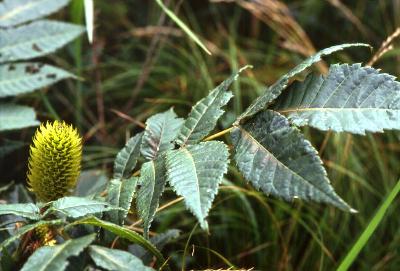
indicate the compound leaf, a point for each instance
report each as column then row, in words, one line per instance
column 21, row 78
column 127, row 158
column 115, row 259
column 120, row 193
column 27, row 210
column 161, row 130
column 195, row 173
column 77, row 207
column 277, row 159
column 55, row 258
column 350, row 98
column 14, row 12
column 24, row 229
column 35, row 39
column 152, row 183
column 123, row 233
column 205, row 114
column 16, row 117
column 272, row 92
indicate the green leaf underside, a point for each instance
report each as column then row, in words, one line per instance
column 21, row 78
column 127, row 158
column 195, row 173
column 77, row 207
column 205, row 113
column 277, row 159
column 152, row 181
column 120, row 193
column 27, row 210
column 24, row 229
column 115, row 259
column 16, row 117
column 55, row 258
column 161, row 130
column 350, row 98
column 13, row 12
column 272, row 92
column 35, row 39
column 123, row 233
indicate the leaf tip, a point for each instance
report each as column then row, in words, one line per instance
column 353, row 211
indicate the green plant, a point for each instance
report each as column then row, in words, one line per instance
column 25, row 36
column 268, row 149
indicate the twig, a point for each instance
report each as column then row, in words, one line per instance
column 173, row 202
column 129, row 118
column 385, row 47
column 211, row 137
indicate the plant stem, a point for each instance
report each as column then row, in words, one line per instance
column 211, row 137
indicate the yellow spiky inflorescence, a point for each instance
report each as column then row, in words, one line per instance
column 45, row 236
column 55, row 160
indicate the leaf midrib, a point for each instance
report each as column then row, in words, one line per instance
column 290, row 170
column 104, row 254
column 18, row 10
column 197, row 179
column 318, row 109
column 201, row 117
column 47, row 38
column 54, row 255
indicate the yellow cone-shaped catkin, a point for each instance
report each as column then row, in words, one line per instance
column 45, row 236
column 55, row 160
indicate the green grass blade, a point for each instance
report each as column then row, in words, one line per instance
column 183, row 26
column 369, row 230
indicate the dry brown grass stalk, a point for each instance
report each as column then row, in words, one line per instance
column 386, row 46
column 278, row 17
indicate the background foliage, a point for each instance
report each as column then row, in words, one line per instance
column 147, row 65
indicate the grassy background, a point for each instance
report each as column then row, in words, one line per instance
column 141, row 63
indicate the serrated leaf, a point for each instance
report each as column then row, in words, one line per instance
column 36, row 39
column 205, row 113
column 127, row 193
column 21, row 78
column 272, row 92
column 127, row 158
column 152, row 181
column 55, row 258
column 14, row 12
column 14, row 116
column 115, row 259
column 123, row 233
column 161, row 130
column 120, row 193
column 77, row 207
column 350, row 98
column 27, row 210
column 195, row 173
column 277, row 159
column 24, row 229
